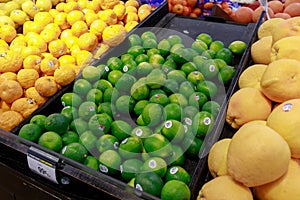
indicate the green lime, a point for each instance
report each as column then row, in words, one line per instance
column 173, row 130
column 69, row 137
column 125, row 82
column 188, row 67
column 179, row 99
column 30, row 132
column 81, row 87
column 199, row 60
column 209, row 88
column 191, row 53
column 51, row 140
column 126, row 56
column 125, row 104
column 177, row 157
column 226, row 74
column 148, row 34
column 136, row 50
column 142, row 132
column 175, row 189
column 180, row 55
column 114, row 76
column 204, row 37
column 100, row 123
column 156, row 165
column 120, row 129
column 170, row 86
column 110, row 162
column 78, row 125
column 186, row 88
column 192, row 145
column 149, row 182
column 110, row 95
column 158, row 145
column 175, row 47
column 108, row 108
column 174, row 39
column 169, row 65
column 156, row 79
column 141, row 58
column 103, row 70
column 130, row 147
column 177, row 75
column 130, row 67
column 39, row 120
column 190, row 111
column 71, row 99
column 129, row 168
column 157, row 91
column 95, row 95
column 178, row 173
column 144, row 68
column 152, row 51
column 161, row 99
column 75, row 151
column 56, row 122
column 237, row 47
column 152, row 114
column 139, row 90
column 225, row 54
column 209, row 54
column 156, row 60
column 91, row 73
column 203, row 123
column 199, row 46
column 149, row 43
column 139, row 121
column 88, row 140
column 70, row 113
column 102, row 85
column 106, row 142
column 212, row 107
column 164, row 47
column 87, row 109
column 216, row 45
column 220, row 63
column 114, row 63
column 173, row 111
column 134, row 40
column 209, row 69
column 195, row 77
column 197, row 99
column 91, row 162
column 139, row 107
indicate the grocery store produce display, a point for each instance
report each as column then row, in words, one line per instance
column 45, row 44
column 261, row 160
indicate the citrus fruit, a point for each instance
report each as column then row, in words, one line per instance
column 216, row 45
column 91, row 162
column 103, row 71
column 225, row 54
column 81, row 87
column 179, row 99
column 50, row 140
column 177, row 158
column 188, row 67
column 95, row 95
column 78, row 125
column 209, row 69
column 190, row 111
column 148, row 34
column 88, row 140
column 140, row 90
column 203, row 123
column 106, row 142
column 30, row 132
column 125, row 104
column 180, row 55
column 130, row 147
column 195, row 77
column 129, row 67
column 129, row 168
column 209, row 88
column 156, row 60
column 212, row 107
column 160, row 99
column 102, row 85
column 141, row 58
column 173, row 130
column 71, row 99
column 164, row 47
column 142, row 132
column 39, row 120
column 177, row 75
column 69, row 137
column 110, row 162
column 114, row 76
column 120, row 129
column 108, row 108
column 199, row 46
column 173, row 111
column 170, row 86
column 75, row 151
column 125, row 82
column 174, row 39
column 199, row 60
column 152, row 114
column 136, row 50
column 204, row 37
column 149, row 43
column 100, row 123
column 237, row 47
column 157, row 91
column 149, row 182
column 209, row 53
column 220, row 63
column 110, row 95
column 87, row 109
column 175, row 189
column 152, row 51
column 197, row 99
column 69, row 112
column 134, row 40
column 178, row 173
column 186, row 88
column 139, row 107
column 114, row 63
column 169, row 65
column 91, row 73
column 56, row 122
column 156, row 165
column 157, row 145
column 226, row 74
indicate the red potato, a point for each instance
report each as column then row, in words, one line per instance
column 276, row 5
column 293, row 9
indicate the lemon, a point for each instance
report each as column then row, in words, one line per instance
column 18, row 16
column 30, row 8
column 43, row 5
column 30, row 132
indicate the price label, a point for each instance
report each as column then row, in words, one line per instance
column 42, row 163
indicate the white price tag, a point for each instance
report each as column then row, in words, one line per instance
column 42, row 163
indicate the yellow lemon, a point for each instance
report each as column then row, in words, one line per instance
column 10, row 6
column 7, row 33
column 66, row 59
column 83, row 58
column 19, row 16
column 27, row 77
column 61, row 20
column 69, row 6
column 39, row 42
column 97, row 27
column 131, row 9
column 3, row 44
column 30, row 50
column 133, row 3
column 57, row 48
column 30, row 8
column 71, row 41
column 114, row 35
column 90, row 17
column 79, row 27
column 131, row 16
column 82, row 4
column 65, row 34
column 43, row 18
column 130, row 25
column 49, row 65
column 74, row 16
column 74, row 50
column 53, row 12
column 120, row 10
column 88, row 41
column 64, row 75
column 93, row 5
column 108, row 16
column 60, row 6
column 5, row 20
column 43, row 5
column 32, row 62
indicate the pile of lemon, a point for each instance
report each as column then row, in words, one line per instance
column 44, row 45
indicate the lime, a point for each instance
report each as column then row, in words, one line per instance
column 87, row 109
column 178, row 173
column 216, row 45
column 71, row 99
column 103, row 70
column 186, row 88
column 158, row 145
column 226, row 74
column 175, row 189
column 114, row 63
column 209, row 53
column 237, row 47
column 180, row 55
column 199, row 46
column 134, row 40
column 110, row 161
column 212, row 107
column 174, row 39
column 129, row 168
column 209, row 88
column 39, row 120
column 110, row 95
column 175, row 47
column 30, row 132
column 156, row 165
column 155, row 79
column 152, row 114
column 173, row 130
column 192, row 145
column 195, row 77
column 177, row 157
column 164, row 47
column 177, row 75
column 56, row 122
column 100, row 123
column 120, row 129
column 139, row 121
column 209, row 69
column 69, row 137
column 161, row 99
column 114, row 76
column 149, row 43
column 153, row 51
column 102, row 85
column 203, row 123
column 197, row 99
column 191, row 53
column 95, row 95
column 204, row 37
column 139, row 107
column 75, row 151
column 188, row 67
column 91, row 162
column 179, row 99
column 170, row 86
column 141, row 58
column 173, row 111
column 157, row 91
column 130, row 147
column 225, row 54
column 125, row 104
column 88, row 140
column 144, row 68
column 220, row 63
column 156, row 60
column 70, row 113
column 91, row 73
column 190, row 111
column 142, row 132
column 169, row 65
column 106, row 142
column 81, row 87
column 125, row 82
column 148, row 34
column 149, row 182
column 125, row 57
column 199, row 60
column 78, row 125
column 108, row 108
column 130, row 67
column 136, row 50
column 139, row 90
column 51, row 140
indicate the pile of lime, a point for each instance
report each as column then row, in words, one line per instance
column 139, row 116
